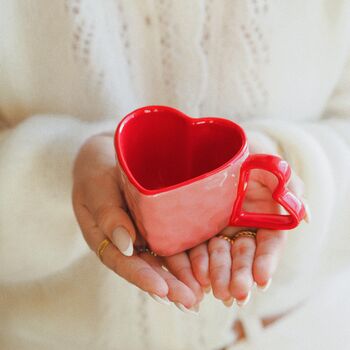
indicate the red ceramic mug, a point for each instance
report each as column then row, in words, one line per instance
column 184, row 179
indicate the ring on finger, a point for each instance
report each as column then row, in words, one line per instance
column 101, row 247
column 226, row 238
column 239, row 234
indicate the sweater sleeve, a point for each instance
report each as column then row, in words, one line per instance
column 38, row 232
column 319, row 152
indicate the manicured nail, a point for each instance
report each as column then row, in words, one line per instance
column 244, row 301
column 207, row 289
column 266, row 286
column 164, row 268
column 229, row 302
column 195, row 308
column 185, row 309
column 164, row 300
column 122, row 241
column 307, row 216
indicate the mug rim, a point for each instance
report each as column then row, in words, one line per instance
column 157, row 108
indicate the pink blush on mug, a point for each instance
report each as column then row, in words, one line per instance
column 184, row 179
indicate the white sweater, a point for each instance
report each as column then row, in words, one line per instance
column 72, row 68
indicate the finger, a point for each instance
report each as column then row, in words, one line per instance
column 260, row 177
column 200, row 264
column 117, row 226
column 178, row 291
column 269, row 246
column 133, row 269
column 136, row 271
column 220, row 267
column 296, row 184
column 180, row 266
column 104, row 201
column 242, row 251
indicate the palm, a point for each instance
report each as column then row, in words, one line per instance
column 232, row 270
column 258, row 196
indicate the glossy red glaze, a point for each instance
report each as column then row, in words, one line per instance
column 161, row 149
column 184, row 179
column 281, row 194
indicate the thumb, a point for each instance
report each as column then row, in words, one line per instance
column 117, row 226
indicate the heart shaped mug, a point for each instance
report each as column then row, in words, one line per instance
column 184, row 179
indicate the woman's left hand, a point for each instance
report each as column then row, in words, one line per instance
column 232, row 269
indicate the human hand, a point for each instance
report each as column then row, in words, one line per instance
column 232, row 269
column 102, row 213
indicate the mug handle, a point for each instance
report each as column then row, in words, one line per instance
column 293, row 205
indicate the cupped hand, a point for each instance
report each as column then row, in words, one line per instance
column 102, row 213
column 232, row 269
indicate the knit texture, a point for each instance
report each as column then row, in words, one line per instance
column 73, row 68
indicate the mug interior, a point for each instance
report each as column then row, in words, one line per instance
column 162, row 148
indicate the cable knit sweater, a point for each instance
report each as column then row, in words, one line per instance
column 69, row 69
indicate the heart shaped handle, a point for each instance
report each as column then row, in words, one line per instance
column 281, row 195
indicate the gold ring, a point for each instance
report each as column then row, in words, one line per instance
column 226, row 238
column 239, row 234
column 101, row 247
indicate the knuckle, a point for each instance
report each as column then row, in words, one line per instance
column 242, row 269
column 104, row 212
column 243, row 248
column 266, row 256
column 219, row 269
column 94, row 231
column 173, row 281
column 242, row 261
column 183, row 270
column 221, row 249
column 139, row 274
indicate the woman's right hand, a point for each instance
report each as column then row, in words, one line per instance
column 101, row 213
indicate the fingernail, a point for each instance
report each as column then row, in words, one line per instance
column 164, row 268
column 244, row 301
column 195, row 308
column 122, row 241
column 164, row 300
column 207, row 289
column 229, row 302
column 307, row 216
column 185, row 309
column 266, row 286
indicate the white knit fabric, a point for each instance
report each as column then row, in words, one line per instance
column 69, row 69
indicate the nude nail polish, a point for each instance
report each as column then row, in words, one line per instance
column 157, row 298
column 195, row 308
column 244, row 301
column 266, row 286
column 122, row 240
column 307, row 217
column 229, row 302
column 207, row 289
column 185, row 309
